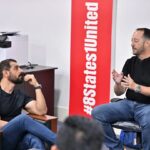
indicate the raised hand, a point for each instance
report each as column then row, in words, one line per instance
column 117, row 77
column 128, row 82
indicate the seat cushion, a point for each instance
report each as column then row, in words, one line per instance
column 127, row 126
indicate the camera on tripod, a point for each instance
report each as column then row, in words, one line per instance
column 4, row 43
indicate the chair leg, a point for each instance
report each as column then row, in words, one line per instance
column 53, row 124
column 1, row 140
column 138, row 138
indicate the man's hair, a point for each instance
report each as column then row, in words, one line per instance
column 79, row 133
column 146, row 31
column 5, row 65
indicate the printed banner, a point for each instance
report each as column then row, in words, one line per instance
column 90, row 55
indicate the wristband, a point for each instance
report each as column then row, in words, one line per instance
column 39, row 86
column 138, row 88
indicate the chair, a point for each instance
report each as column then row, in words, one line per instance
column 49, row 121
column 0, row 140
column 128, row 126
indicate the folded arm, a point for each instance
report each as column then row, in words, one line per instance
column 37, row 106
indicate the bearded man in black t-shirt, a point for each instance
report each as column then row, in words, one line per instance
column 12, row 101
column 135, row 81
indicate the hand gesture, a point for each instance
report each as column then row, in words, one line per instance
column 117, row 77
column 128, row 82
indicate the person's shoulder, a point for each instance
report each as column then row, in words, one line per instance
column 131, row 59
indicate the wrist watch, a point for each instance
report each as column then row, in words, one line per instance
column 38, row 86
column 138, row 88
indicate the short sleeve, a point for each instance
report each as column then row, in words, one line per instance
column 27, row 99
column 12, row 104
column 23, row 98
column 126, row 68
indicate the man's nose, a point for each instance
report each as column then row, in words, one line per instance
column 132, row 45
column 20, row 70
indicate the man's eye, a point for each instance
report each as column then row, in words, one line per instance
column 16, row 67
column 136, row 40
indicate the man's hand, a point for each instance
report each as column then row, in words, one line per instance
column 30, row 78
column 128, row 82
column 2, row 123
column 117, row 77
column 118, row 88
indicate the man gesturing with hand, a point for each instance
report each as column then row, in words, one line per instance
column 134, row 81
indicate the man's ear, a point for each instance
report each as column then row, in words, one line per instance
column 5, row 73
column 54, row 147
column 148, row 43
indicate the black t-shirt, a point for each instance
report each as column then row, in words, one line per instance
column 139, row 71
column 12, row 104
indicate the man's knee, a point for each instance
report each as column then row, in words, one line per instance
column 96, row 112
column 21, row 118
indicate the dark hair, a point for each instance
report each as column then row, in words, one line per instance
column 5, row 65
column 79, row 133
column 146, row 31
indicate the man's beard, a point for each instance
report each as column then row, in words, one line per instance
column 137, row 52
column 18, row 80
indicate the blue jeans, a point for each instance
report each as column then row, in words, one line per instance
column 123, row 110
column 30, row 141
column 17, row 128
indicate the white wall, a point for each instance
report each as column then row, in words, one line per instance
column 48, row 23
column 131, row 14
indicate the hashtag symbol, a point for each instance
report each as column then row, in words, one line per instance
column 87, row 109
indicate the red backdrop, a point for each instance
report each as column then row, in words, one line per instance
column 90, row 55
